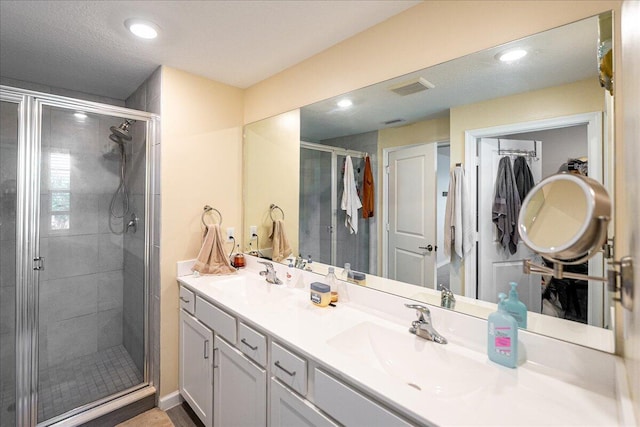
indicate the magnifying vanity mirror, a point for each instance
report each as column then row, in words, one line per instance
column 564, row 218
column 546, row 111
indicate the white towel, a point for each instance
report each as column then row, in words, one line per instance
column 458, row 233
column 350, row 200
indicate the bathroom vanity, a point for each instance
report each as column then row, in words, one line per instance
column 256, row 354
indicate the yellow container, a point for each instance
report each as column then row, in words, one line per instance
column 320, row 294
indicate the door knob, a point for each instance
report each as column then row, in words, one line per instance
column 429, row 248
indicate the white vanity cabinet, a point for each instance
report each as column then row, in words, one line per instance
column 225, row 364
column 240, row 388
column 288, row 409
column 196, row 366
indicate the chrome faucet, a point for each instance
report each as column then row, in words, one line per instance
column 270, row 273
column 447, row 298
column 423, row 326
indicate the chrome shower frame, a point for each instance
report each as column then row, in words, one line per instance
column 30, row 105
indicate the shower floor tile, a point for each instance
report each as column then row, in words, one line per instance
column 85, row 379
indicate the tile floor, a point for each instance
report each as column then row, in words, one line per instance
column 85, row 379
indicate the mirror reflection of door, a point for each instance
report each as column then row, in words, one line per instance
column 412, row 242
column 496, row 265
column 573, row 301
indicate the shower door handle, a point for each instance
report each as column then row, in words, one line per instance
column 39, row 263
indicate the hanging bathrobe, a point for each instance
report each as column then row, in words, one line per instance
column 368, row 190
column 458, row 232
column 350, row 200
column 506, row 206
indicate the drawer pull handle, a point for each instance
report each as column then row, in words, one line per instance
column 291, row 374
column 206, row 349
column 252, row 347
column 185, row 300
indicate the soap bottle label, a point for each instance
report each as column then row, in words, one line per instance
column 503, row 341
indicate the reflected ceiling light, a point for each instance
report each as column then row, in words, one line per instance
column 142, row 29
column 345, row 103
column 80, row 115
column 512, row 55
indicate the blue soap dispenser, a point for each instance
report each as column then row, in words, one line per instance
column 502, row 334
column 515, row 307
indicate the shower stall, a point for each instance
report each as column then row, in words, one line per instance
column 74, row 262
column 322, row 234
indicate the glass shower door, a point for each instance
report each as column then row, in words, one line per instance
column 8, row 206
column 315, row 232
column 91, row 292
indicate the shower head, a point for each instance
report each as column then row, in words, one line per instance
column 121, row 131
column 116, row 138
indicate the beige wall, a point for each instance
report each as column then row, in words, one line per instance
column 424, row 35
column 201, row 164
column 272, row 151
column 580, row 97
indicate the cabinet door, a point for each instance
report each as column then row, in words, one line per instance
column 240, row 389
column 290, row 410
column 196, row 367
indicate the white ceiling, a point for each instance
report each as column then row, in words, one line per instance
column 84, row 46
column 559, row 56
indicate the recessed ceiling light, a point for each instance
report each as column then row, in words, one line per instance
column 142, row 29
column 80, row 115
column 512, row 55
column 345, row 103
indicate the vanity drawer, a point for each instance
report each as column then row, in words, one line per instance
column 289, row 368
column 220, row 322
column 350, row 407
column 253, row 344
column 187, row 300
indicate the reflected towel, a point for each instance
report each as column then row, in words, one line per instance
column 524, row 178
column 458, row 232
column 281, row 246
column 368, row 190
column 350, row 200
column 212, row 258
column 506, row 206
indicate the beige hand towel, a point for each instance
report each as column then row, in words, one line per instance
column 212, row 258
column 281, row 246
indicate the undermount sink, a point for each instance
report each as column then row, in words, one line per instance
column 446, row 371
column 247, row 288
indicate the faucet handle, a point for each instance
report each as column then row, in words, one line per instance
column 421, row 311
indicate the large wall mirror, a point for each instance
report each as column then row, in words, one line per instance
column 477, row 119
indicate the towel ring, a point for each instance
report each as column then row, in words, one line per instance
column 272, row 207
column 208, row 208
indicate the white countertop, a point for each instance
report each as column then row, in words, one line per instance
column 559, row 384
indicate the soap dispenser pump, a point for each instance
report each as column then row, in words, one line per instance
column 502, row 336
column 515, row 307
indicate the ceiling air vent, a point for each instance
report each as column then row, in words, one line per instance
column 412, row 86
column 393, row 122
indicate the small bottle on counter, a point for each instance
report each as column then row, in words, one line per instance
column 331, row 280
column 291, row 271
column 320, row 294
column 346, row 272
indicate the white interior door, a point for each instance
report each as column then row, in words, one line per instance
column 496, row 266
column 412, row 215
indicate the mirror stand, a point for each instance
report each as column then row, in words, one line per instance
column 619, row 277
